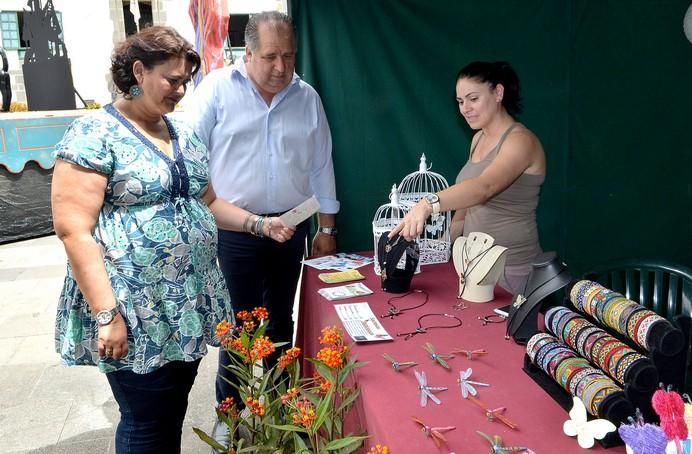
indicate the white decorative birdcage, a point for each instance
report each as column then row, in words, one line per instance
column 435, row 240
column 386, row 218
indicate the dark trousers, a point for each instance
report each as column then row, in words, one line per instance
column 152, row 407
column 260, row 272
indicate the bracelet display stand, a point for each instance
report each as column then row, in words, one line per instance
column 668, row 353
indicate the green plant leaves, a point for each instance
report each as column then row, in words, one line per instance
column 209, row 440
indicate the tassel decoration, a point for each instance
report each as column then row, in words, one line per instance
column 671, row 409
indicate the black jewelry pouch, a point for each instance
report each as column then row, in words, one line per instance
column 548, row 275
column 389, row 253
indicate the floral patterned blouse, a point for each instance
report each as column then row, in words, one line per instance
column 158, row 240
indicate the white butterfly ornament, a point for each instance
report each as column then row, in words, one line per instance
column 585, row 431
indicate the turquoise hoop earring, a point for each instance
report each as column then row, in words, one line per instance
column 135, row 91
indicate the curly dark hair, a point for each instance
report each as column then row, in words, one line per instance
column 499, row 72
column 152, row 46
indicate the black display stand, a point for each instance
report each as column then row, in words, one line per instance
column 617, row 407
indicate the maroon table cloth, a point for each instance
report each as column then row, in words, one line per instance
column 389, row 399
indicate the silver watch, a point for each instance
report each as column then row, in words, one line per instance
column 434, row 201
column 331, row 231
column 105, row 317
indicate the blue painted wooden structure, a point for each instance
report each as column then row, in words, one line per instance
column 31, row 136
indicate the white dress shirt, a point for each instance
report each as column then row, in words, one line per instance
column 265, row 159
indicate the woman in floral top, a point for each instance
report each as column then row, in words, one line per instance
column 134, row 207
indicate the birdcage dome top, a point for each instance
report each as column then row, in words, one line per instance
column 416, row 185
column 391, row 213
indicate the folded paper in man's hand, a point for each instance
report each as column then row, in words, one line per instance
column 300, row 213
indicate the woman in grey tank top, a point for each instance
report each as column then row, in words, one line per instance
column 496, row 192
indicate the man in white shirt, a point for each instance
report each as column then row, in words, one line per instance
column 270, row 149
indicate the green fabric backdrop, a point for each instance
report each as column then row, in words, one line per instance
column 607, row 86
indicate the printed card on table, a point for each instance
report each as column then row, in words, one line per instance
column 340, row 276
column 360, row 322
column 340, row 262
column 345, row 291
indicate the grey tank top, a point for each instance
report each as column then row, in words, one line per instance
column 510, row 216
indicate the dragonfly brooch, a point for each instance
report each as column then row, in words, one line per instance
column 497, row 448
column 398, row 365
column 470, row 354
column 466, row 385
column 439, row 359
column 434, row 432
column 494, row 414
column 426, row 391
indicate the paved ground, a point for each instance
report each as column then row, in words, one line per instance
column 46, row 407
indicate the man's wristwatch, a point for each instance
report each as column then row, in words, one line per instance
column 434, row 202
column 105, row 317
column 331, row 231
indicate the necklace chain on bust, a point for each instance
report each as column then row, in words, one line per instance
column 468, row 265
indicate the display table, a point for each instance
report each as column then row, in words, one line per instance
column 389, row 399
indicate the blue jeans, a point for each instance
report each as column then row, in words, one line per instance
column 152, row 407
column 260, row 272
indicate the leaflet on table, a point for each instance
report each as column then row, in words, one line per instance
column 300, row 213
column 340, row 262
column 360, row 323
column 338, row 277
column 344, row 291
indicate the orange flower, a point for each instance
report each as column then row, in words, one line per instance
column 323, row 385
column 249, row 325
column 289, row 356
column 261, row 348
column 255, row 406
column 223, row 328
column 331, row 357
column 260, row 313
column 379, row 449
column 305, row 414
column 331, row 335
column 290, row 394
column 243, row 315
column 237, row 346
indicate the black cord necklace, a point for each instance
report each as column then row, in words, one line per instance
column 469, row 264
column 393, row 311
column 424, row 329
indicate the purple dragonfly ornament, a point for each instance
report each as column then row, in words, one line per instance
column 426, row 391
column 466, row 385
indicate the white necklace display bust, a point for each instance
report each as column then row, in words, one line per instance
column 480, row 264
